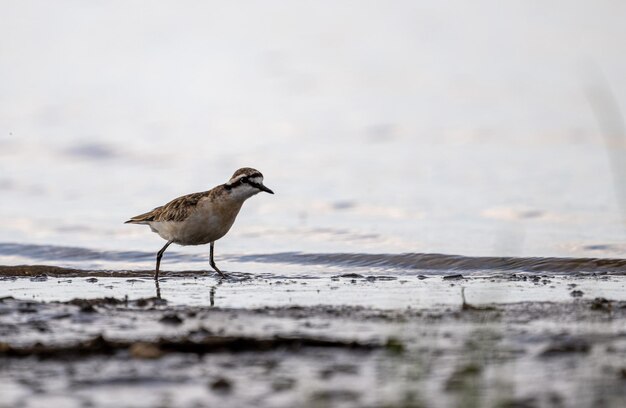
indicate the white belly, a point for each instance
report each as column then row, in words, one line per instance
column 203, row 226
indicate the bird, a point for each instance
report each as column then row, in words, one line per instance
column 204, row 217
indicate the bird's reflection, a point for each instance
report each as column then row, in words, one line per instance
column 157, row 287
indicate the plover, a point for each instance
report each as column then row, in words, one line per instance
column 202, row 218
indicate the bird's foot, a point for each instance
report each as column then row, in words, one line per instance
column 222, row 275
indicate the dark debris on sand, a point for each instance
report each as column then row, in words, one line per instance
column 449, row 351
column 43, row 272
column 210, row 344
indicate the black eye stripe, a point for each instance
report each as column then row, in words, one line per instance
column 246, row 180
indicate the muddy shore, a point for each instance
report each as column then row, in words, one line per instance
column 105, row 340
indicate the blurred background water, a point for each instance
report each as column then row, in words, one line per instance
column 383, row 127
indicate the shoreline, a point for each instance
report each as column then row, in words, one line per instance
column 353, row 339
column 312, row 356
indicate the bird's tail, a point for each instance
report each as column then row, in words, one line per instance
column 132, row 221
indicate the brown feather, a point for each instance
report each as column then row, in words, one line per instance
column 179, row 208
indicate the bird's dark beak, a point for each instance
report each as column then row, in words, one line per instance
column 263, row 188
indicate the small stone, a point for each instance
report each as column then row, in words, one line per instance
column 576, row 293
column 349, row 275
column 87, row 308
column 453, row 277
column 600, row 303
column 565, row 346
column 172, row 318
column 221, row 386
column 145, row 351
column 394, row 345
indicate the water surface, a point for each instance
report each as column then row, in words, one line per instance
column 383, row 130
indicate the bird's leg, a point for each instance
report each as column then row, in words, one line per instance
column 158, row 289
column 212, row 262
column 158, row 263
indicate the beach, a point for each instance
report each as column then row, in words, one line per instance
column 103, row 338
column 448, row 226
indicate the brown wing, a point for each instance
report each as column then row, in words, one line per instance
column 176, row 210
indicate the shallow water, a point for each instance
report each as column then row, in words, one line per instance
column 373, row 291
column 392, row 130
column 296, row 264
column 142, row 352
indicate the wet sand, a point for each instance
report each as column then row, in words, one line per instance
column 78, row 338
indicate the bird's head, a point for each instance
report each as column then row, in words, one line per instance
column 246, row 182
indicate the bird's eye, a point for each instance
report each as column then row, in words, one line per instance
column 244, row 179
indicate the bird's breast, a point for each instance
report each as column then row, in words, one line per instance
column 210, row 223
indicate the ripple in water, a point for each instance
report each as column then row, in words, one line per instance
column 402, row 264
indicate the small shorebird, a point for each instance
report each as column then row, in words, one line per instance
column 202, row 218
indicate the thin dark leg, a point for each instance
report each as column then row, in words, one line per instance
column 212, row 262
column 158, row 289
column 158, row 263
